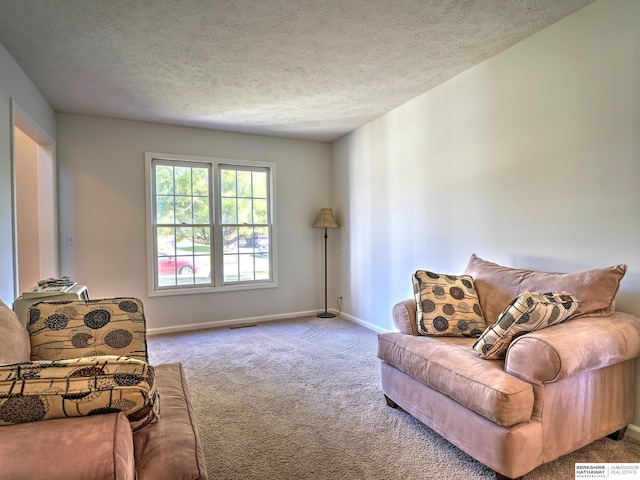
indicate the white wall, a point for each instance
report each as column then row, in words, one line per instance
column 531, row 159
column 15, row 89
column 102, row 202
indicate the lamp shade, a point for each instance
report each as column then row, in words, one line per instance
column 325, row 219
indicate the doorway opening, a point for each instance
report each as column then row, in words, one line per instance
column 35, row 205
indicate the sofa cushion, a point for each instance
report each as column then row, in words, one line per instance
column 447, row 305
column 527, row 312
column 14, row 339
column 87, row 328
column 450, row 366
column 170, row 448
column 595, row 289
column 97, row 448
column 41, row 390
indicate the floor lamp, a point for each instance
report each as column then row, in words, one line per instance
column 325, row 220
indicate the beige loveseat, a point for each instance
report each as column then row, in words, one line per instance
column 78, row 400
column 558, row 388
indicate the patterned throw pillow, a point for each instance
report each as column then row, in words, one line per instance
column 529, row 311
column 33, row 391
column 447, row 305
column 87, row 328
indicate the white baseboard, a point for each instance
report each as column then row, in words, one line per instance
column 633, row 431
column 370, row 326
column 265, row 318
column 227, row 323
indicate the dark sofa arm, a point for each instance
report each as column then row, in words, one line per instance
column 404, row 316
column 578, row 345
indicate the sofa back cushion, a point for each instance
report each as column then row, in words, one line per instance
column 87, row 328
column 497, row 286
column 14, row 338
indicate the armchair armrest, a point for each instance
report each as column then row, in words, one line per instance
column 578, row 345
column 404, row 316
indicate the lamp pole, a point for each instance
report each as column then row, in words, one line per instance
column 326, row 313
column 325, row 220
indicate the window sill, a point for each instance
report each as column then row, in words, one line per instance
column 208, row 289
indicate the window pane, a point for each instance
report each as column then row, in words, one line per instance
column 245, row 212
column 203, row 269
column 230, row 269
column 183, row 180
column 260, row 211
column 164, row 180
column 245, row 237
column 184, row 210
column 244, row 184
column 202, row 254
column 230, row 239
column 164, row 209
column 260, row 184
column 246, row 267
column 185, row 268
column 166, row 265
column 202, row 240
column 184, row 240
column 262, row 267
column 201, row 182
column 166, row 240
column 201, row 210
column 228, row 183
column 229, row 215
column 262, row 239
column 167, row 269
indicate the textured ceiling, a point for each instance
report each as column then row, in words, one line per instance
column 310, row 69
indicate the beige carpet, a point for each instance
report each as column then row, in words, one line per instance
column 300, row 399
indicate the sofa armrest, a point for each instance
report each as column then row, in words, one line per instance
column 578, row 345
column 98, row 447
column 404, row 316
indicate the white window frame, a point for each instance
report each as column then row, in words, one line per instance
column 217, row 282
